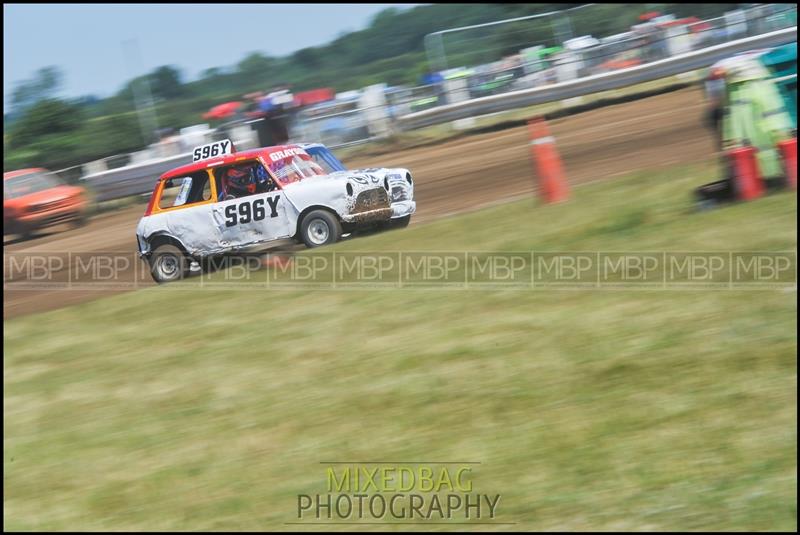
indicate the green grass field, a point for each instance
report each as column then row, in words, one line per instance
column 201, row 409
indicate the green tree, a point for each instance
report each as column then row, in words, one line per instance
column 255, row 68
column 310, row 58
column 44, row 85
column 112, row 135
column 166, row 83
column 46, row 118
column 213, row 72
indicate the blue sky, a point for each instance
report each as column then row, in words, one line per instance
column 86, row 40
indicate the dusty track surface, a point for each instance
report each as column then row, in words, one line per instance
column 454, row 176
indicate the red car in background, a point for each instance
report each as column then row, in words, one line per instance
column 36, row 198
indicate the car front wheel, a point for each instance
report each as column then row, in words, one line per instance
column 320, row 228
column 400, row 222
column 168, row 263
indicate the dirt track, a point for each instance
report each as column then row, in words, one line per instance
column 455, row 176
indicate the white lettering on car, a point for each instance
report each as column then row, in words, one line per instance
column 248, row 211
column 281, row 154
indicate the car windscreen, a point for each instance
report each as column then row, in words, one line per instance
column 295, row 167
column 325, row 159
column 27, row 184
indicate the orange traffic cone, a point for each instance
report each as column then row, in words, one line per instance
column 747, row 177
column 788, row 150
column 553, row 184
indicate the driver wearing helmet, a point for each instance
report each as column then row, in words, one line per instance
column 245, row 180
column 237, row 182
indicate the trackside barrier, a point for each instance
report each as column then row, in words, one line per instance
column 686, row 62
column 132, row 180
column 552, row 182
column 747, row 177
column 788, row 150
column 138, row 179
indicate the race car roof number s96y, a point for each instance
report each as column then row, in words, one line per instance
column 212, row 150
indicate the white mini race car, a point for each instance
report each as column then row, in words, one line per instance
column 226, row 201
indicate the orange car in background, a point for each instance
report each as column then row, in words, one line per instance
column 36, row 198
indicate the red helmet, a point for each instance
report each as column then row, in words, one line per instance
column 241, row 179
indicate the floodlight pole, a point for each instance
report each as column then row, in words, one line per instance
column 442, row 55
column 438, row 59
column 562, row 32
column 145, row 109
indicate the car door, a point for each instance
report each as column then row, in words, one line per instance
column 185, row 208
column 251, row 219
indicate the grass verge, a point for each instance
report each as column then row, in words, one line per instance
column 200, row 409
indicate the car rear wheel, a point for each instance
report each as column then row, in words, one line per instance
column 168, row 263
column 320, row 228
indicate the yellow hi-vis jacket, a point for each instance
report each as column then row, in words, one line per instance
column 756, row 115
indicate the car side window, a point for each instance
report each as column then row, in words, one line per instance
column 242, row 180
column 186, row 190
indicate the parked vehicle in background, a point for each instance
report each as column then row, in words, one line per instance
column 36, row 198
